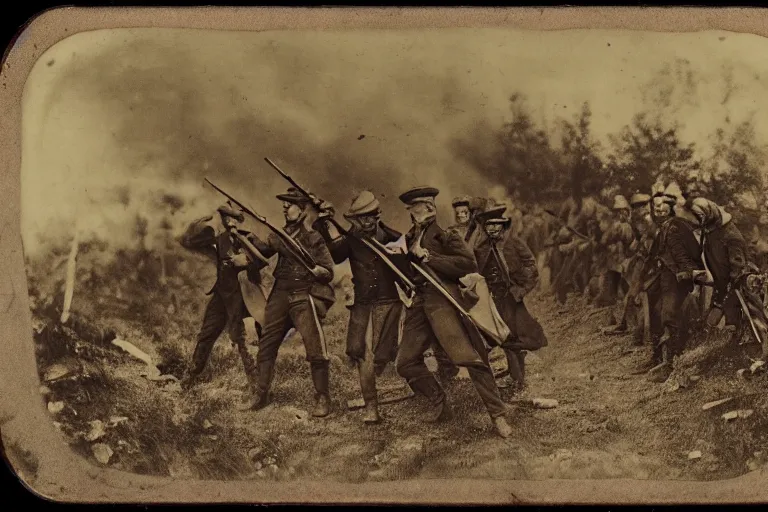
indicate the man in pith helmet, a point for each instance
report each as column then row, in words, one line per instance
column 375, row 319
column 617, row 241
column 446, row 258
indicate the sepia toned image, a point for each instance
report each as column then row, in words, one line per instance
column 315, row 257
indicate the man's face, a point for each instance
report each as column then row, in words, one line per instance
column 494, row 230
column 366, row 223
column 661, row 209
column 421, row 212
column 461, row 213
column 292, row 211
column 230, row 222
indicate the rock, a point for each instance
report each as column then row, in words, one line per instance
column 59, row 371
column 102, row 452
column 97, row 431
column 710, row 405
column 55, row 407
column 207, row 425
column 732, row 415
column 695, row 378
column 745, row 413
column 757, row 365
column 45, row 390
column 257, row 465
column 116, row 420
column 696, row 454
column 545, row 403
column 740, row 373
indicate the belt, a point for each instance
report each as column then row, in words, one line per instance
column 292, row 285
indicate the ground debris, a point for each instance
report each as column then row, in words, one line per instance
column 696, row 454
column 710, row 405
column 740, row 413
column 102, row 452
column 55, row 407
column 544, row 403
column 97, row 431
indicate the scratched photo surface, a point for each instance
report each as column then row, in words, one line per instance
column 565, row 280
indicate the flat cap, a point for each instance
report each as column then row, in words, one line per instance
column 293, row 195
column 460, row 201
column 417, row 194
column 494, row 214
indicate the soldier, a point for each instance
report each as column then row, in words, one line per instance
column 213, row 236
column 509, row 268
column 433, row 317
column 674, row 266
column 617, row 240
column 300, row 298
column 461, row 215
column 374, row 323
column 725, row 254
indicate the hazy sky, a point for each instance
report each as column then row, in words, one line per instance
column 128, row 114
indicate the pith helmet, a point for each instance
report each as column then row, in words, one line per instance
column 620, row 203
column 639, row 199
column 364, row 204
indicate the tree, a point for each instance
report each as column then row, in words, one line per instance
column 645, row 152
column 584, row 173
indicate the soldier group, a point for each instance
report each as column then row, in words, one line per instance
column 413, row 292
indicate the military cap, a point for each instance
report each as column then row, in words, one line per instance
column 294, row 196
column 419, row 194
column 460, row 201
column 364, row 204
column 620, row 202
column 673, row 193
column 494, row 215
column 639, row 199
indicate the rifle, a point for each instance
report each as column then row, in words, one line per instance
column 293, row 247
column 410, row 288
column 569, row 228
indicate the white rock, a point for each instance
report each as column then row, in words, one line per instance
column 55, row 407
column 207, row 425
column 545, row 403
column 696, row 454
column 745, row 413
column 102, row 452
column 97, row 431
column 45, row 390
column 116, row 420
column 731, row 415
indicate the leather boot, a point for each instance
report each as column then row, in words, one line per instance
column 371, row 412
column 263, row 381
column 439, row 410
column 320, row 379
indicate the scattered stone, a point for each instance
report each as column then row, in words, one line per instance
column 257, row 465
column 116, row 420
column 59, row 371
column 740, row 373
column 695, row 378
column 45, row 390
column 207, row 425
column 696, row 454
column 102, row 452
column 269, row 461
column 731, row 415
column 710, row 405
column 745, row 413
column 545, row 403
column 55, row 407
column 97, row 431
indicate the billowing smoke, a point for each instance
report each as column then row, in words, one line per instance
column 160, row 118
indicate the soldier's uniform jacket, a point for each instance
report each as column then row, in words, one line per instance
column 461, row 229
column 509, row 268
column 618, row 239
column 373, row 280
column 675, row 247
column 209, row 237
column 725, row 251
column 291, row 275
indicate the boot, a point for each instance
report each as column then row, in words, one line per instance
column 439, row 410
column 371, row 412
column 263, row 378
column 320, row 379
column 516, row 375
column 502, row 427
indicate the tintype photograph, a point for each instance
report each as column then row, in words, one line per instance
column 350, row 256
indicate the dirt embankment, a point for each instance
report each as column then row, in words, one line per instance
column 608, row 423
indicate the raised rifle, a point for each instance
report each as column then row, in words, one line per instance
column 294, row 248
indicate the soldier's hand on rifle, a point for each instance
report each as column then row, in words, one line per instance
column 421, row 253
column 699, row 276
column 239, row 261
column 326, row 210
